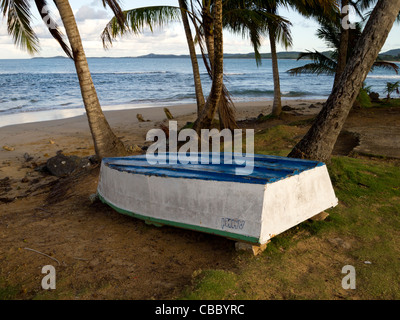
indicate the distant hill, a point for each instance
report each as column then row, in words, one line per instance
column 394, row 52
column 281, row 55
column 391, row 55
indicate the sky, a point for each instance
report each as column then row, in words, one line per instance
column 92, row 18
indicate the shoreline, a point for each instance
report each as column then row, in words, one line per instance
column 40, row 117
column 72, row 135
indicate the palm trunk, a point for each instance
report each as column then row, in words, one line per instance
column 320, row 140
column 106, row 143
column 226, row 111
column 277, row 106
column 195, row 65
column 212, row 104
column 343, row 48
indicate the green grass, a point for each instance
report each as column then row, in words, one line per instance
column 302, row 263
column 383, row 103
column 8, row 292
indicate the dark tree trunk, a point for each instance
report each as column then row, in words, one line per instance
column 106, row 143
column 195, row 65
column 277, row 105
column 207, row 115
column 320, row 140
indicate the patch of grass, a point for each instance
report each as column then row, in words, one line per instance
column 277, row 140
column 305, row 262
column 212, row 285
column 303, row 123
column 8, row 292
column 384, row 103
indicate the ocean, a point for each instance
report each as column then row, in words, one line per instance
column 45, row 89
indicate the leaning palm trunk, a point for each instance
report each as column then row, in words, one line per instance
column 106, row 143
column 277, row 105
column 320, row 140
column 207, row 115
column 195, row 65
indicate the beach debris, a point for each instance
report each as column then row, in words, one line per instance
column 51, row 142
column 93, row 198
column 94, row 159
column 27, row 157
column 168, row 114
column 140, row 117
column 7, row 148
column 42, row 168
column 43, row 254
column 5, row 187
column 288, row 108
column 25, row 180
column 135, row 149
column 62, row 165
column 374, row 96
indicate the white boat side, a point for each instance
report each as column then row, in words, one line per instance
column 250, row 212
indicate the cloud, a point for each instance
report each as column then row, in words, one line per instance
column 89, row 13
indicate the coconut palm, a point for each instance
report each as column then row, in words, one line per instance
column 200, row 14
column 320, row 140
column 392, row 87
column 328, row 63
column 19, row 16
column 262, row 18
column 265, row 20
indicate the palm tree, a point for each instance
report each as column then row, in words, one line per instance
column 200, row 14
column 328, row 63
column 213, row 101
column 262, row 17
column 19, row 17
column 265, row 20
column 320, row 140
column 392, row 87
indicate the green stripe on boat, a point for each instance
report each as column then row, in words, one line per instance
column 159, row 222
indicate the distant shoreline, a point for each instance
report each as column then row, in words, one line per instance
column 291, row 55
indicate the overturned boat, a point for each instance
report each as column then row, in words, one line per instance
column 278, row 194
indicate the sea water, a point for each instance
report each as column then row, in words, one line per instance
column 45, row 89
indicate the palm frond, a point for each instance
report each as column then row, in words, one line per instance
column 386, row 65
column 137, row 19
column 19, row 24
column 321, row 64
column 116, row 9
column 52, row 27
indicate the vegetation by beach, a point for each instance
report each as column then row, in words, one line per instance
column 102, row 255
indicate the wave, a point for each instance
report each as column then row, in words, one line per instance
column 270, row 93
column 292, row 94
column 11, row 110
column 383, row 77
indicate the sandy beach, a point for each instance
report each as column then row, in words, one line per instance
column 72, row 134
column 100, row 254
